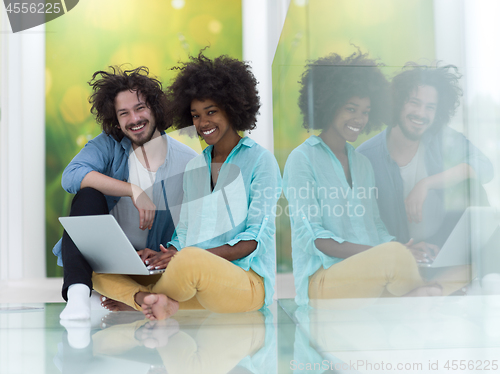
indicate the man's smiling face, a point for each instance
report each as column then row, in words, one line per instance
column 418, row 112
column 135, row 117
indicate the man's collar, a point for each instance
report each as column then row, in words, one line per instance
column 126, row 143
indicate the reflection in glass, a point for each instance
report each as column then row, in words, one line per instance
column 423, row 168
column 340, row 245
column 427, row 174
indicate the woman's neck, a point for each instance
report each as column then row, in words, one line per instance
column 334, row 142
column 222, row 149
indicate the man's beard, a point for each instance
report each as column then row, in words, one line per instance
column 409, row 135
column 144, row 140
column 414, row 136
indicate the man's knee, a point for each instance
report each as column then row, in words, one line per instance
column 89, row 201
column 89, row 193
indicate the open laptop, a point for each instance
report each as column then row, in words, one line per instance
column 471, row 233
column 104, row 245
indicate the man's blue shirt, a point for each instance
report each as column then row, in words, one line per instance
column 444, row 148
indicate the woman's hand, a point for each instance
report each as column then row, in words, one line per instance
column 161, row 259
column 422, row 251
column 145, row 254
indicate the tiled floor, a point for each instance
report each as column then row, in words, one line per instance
column 405, row 335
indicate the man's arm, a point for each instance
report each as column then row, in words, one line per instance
column 107, row 185
column 114, row 187
column 457, row 149
column 448, row 178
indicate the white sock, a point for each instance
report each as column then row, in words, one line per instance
column 78, row 332
column 78, row 305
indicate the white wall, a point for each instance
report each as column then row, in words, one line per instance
column 22, row 153
column 466, row 35
column 262, row 24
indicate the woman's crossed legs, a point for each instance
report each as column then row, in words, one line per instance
column 194, row 278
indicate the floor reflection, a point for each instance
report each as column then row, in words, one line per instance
column 431, row 332
column 189, row 342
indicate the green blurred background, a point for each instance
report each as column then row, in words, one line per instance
column 96, row 34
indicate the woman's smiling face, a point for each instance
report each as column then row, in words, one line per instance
column 351, row 118
column 211, row 121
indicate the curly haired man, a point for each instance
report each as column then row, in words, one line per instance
column 118, row 171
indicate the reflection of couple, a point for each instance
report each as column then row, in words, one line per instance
column 225, row 271
column 129, row 343
column 410, row 164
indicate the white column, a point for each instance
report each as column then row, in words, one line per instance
column 22, row 164
column 481, row 30
column 262, row 24
column 449, row 45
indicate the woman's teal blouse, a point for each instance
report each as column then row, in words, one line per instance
column 323, row 205
column 242, row 206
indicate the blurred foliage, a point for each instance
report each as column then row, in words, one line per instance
column 97, row 34
column 393, row 31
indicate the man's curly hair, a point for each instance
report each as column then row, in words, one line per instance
column 227, row 81
column 329, row 82
column 444, row 79
column 106, row 85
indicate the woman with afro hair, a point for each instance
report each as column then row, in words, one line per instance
column 222, row 254
column 340, row 247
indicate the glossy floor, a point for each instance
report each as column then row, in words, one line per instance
column 412, row 335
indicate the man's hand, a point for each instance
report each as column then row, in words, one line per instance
column 145, row 207
column 415, row 201
column 422, row 251
column 161, row 259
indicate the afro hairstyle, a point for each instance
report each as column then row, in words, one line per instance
column 227, row 81
column 329, row 82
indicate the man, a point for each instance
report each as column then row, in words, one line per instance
column 132, row 170
column 418, row 157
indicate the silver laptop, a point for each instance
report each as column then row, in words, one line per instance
column 104, row 245
column 471, row 233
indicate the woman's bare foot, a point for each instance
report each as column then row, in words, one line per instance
column 159, row 307
column 113, row 319
column 155, row 334
column 433, row 290
column 115, row 306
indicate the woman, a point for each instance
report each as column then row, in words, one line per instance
column 222, row 255
column 340, row 246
